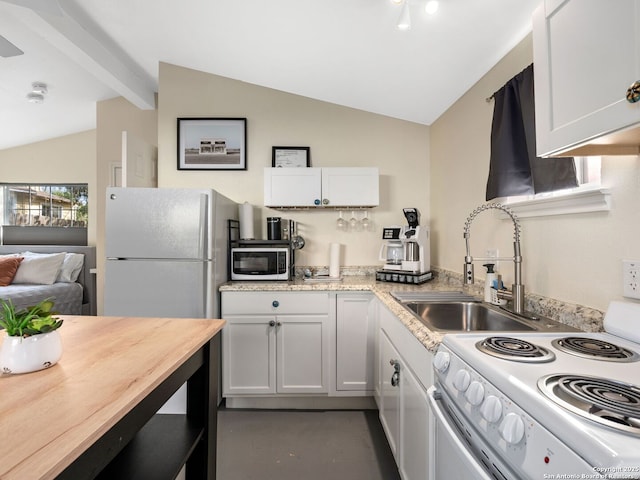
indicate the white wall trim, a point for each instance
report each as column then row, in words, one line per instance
column 582, row 201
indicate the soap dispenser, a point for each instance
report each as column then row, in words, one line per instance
column 489, row 281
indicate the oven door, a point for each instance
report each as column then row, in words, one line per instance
column 452, row 456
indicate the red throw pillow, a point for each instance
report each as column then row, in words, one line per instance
column 8, row 268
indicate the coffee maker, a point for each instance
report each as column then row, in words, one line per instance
column 408, row 257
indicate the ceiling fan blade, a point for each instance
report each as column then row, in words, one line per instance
column 8, row 49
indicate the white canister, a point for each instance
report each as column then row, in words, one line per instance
column 245, row 215
column 334, row 260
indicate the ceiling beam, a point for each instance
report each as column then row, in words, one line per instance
column 61, row 24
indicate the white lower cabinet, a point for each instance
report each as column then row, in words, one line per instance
column 355, row 342
column 414, row 428
column 389, row 406
column 332, row 344
column 275, row 343
column 404, row 375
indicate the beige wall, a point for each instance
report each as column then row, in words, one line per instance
column 68, row 159
column 338, row 136
column 575, row 258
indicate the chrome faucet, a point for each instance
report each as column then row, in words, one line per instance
column 516, row 295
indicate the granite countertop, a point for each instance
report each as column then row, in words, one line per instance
column 576, row 316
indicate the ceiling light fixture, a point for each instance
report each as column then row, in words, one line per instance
column 431, row 7
column 404, row 22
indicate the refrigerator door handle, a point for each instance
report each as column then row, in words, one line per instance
column 204, row 226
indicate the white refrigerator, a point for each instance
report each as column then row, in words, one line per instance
column 166, row 251
column 166, row 255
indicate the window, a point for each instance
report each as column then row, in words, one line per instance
column 44, row 205
column 37, row 214
column 589, row 196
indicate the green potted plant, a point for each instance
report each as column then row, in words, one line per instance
column 32, row 340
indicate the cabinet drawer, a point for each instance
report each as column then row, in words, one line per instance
column 275, row 303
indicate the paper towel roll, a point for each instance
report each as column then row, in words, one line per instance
column 334, row 260
column 245, row 214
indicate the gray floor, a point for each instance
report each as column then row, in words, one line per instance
column 302, row 445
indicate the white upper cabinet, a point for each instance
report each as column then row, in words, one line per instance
column 292, row 187
column 586, row 55
column 321, row 187
column 346, row 187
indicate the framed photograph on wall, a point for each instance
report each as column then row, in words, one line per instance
column 290, row 157
column 212, row 143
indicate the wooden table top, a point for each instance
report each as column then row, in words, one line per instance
column 108, row 365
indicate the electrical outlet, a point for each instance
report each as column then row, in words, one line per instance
column 631, row 278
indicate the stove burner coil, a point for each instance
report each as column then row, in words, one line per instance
column 595, row 349
column 610, row 403
column 508, row 348
column 603, row 394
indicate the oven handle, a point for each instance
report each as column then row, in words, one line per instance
column 434, row 397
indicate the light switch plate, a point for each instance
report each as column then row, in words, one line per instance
column 631, row 278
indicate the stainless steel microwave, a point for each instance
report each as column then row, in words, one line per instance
column 260, row 263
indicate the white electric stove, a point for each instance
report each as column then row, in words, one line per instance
column 540, row 405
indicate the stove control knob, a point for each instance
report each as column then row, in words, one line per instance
column 441, row 361
column 512, row 428
column 461, row 380
column 491, row 409
column 475, row 393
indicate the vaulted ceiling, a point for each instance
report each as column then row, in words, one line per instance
column 347, row 52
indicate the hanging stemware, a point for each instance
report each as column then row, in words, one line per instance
column 353, row 222
column 365, row 221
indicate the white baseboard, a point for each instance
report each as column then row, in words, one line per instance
column 303, row 403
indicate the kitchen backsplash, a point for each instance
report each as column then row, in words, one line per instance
column 578, row 316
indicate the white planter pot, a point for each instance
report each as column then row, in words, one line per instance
column 30, row 354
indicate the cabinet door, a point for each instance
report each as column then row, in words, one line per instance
column 345, row 187
column 248, row 355
column 355, row 343
column 292, row 187
column 389, row 409
column 414, row 427
column 302, row 355
column 586, row 55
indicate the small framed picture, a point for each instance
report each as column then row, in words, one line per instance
column 212, row 143
column 290, row 157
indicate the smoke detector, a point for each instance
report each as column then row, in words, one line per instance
column 37, row 93
column 35, row 97
column 39, row 87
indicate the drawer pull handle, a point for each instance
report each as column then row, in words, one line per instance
column 275, row 304
column 633, row 92
column 272, row 323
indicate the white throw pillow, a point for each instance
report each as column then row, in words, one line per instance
column 70, row 267
column 37, row 268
